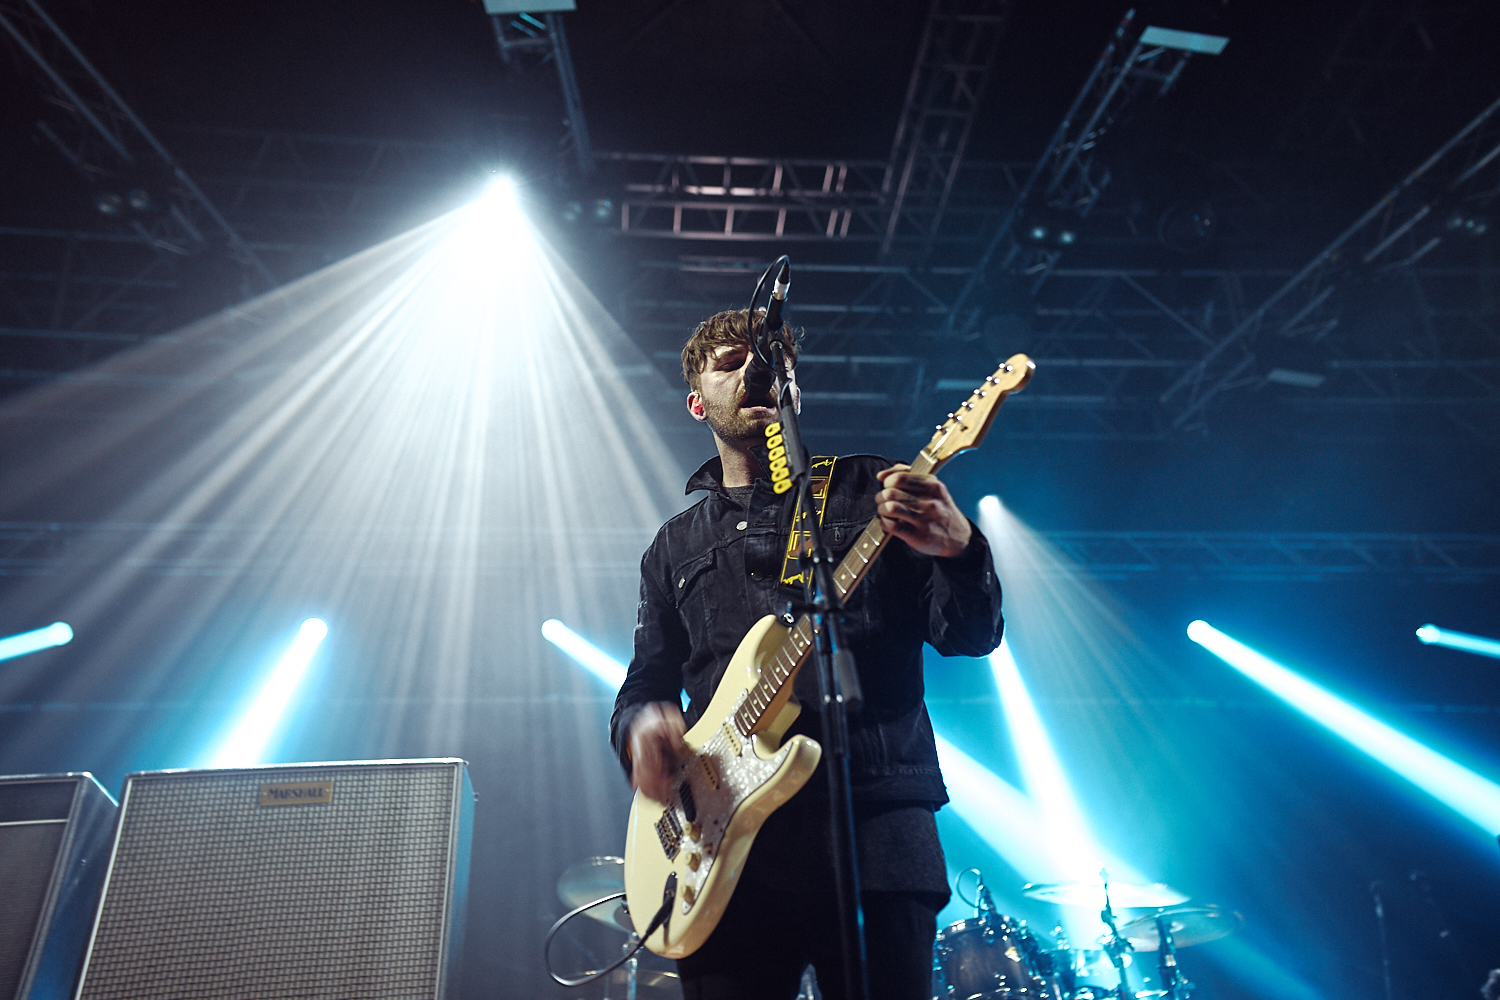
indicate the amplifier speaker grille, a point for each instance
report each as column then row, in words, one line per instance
column 211, row 894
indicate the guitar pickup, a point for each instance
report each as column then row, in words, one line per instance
column 670, row 832
column 732, row 739
column 689, row 807
column 708, row 770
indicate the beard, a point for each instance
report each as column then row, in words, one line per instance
column 736, row 425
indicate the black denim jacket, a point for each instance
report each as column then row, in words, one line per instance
column 714, row 570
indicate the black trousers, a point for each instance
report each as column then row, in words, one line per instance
column 768, row 936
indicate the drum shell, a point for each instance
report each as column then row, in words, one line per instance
column 981, row 959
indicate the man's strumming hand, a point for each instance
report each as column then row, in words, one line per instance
column 920, row 511
column 656, row 748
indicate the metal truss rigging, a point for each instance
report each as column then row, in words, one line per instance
column 210, row 548
column 1439, row 200
column 1066, row 178
column 137, row 181
column 758, row 199
column 958, row 47
column 526, row 39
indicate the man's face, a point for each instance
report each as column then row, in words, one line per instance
column 738, row 411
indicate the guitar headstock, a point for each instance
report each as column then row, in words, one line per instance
column 966, row 426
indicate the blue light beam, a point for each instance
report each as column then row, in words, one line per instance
column 56, row 634
column 1434, row 636
column 593, row 659
column 1472, row 796
column 247, row 741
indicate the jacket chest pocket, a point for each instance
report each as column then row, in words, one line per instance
column 690, row 585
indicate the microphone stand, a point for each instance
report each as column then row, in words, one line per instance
column 838, row 688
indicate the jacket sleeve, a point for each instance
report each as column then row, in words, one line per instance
column 661, row 648
column 963, row 601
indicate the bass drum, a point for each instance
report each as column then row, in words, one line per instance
column 982, row 959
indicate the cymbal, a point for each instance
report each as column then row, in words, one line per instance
column 1121, row 894
column 657, row 977
column 1188, row 925
column 595, row 878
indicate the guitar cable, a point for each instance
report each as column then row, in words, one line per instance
column 668, row 897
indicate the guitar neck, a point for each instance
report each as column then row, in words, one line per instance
column 798, row 644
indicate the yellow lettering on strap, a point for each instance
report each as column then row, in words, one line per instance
column 798, row 540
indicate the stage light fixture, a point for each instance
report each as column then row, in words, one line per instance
column 247, row 741
column 1434, row 636
column 593, row 659
column 109, row 203
column 1037, row 233
column 1470, row 795
column 56, row 634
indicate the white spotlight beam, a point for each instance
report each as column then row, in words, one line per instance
column 589, row 656
column 56, row 634
column 1472, row 796
column 247, row 741
column 1073, row 850
column 1000, row 813
column 1434, row 636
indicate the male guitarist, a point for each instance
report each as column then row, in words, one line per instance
column 710, row 574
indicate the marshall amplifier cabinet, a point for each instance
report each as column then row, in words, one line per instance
column 54, row 840
column 342, row 880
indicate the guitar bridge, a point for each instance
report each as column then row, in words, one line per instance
column 670, row 832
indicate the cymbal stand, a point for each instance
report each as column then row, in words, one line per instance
column 1115, row 945
column 632, row 969
column 984, row 909
column 1172, row 980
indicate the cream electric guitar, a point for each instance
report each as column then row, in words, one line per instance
column 683, row 857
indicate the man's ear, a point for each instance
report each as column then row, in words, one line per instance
column 695, row 406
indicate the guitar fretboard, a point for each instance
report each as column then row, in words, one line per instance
column 798, row 644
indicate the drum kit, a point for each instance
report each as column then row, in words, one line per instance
column 988, row 956
column 991, row 956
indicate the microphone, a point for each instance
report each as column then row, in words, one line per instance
column 772, row 324
column 778, row 298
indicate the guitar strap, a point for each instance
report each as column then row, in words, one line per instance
column 799, row 539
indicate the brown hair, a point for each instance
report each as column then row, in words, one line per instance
column 730, row 327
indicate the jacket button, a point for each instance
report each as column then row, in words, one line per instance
column 682, row 581
column 742, row 525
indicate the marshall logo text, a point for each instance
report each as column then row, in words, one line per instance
column 297, row 793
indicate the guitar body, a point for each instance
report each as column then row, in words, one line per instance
column 692, row 849
column 732, row 784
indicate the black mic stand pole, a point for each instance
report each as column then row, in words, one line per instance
column 838, row 687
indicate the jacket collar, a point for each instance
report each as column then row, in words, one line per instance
column 710, row 476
